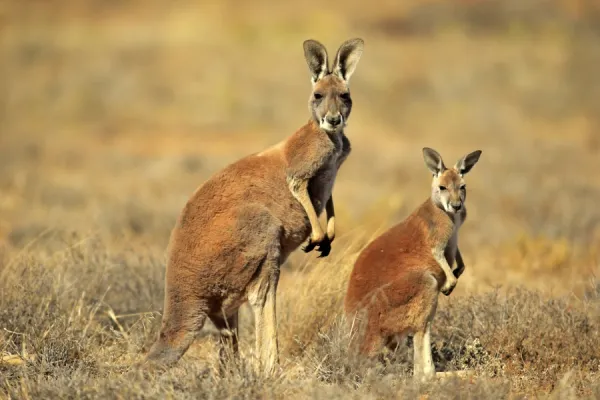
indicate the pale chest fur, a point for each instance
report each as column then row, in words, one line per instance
column 321, row 185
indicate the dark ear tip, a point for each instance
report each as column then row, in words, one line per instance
column 357, row 43
column 312, row 43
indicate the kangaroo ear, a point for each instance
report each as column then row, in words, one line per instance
column 347, row 57
column 433, row 160
column 465, row 164
column 317, row 59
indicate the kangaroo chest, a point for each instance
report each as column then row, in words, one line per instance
column 452, row 246
column 321, row 185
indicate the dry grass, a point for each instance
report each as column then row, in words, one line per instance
column 112, row 113
column 77, row 337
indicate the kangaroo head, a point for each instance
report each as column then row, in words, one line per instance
column 330, row 102
column 448, row 190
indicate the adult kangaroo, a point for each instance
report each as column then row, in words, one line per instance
column 239, row 227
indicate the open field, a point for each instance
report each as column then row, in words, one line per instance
column 112, row 113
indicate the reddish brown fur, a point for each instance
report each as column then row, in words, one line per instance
column 394, row 286
column 241, row 218
column 239, row 227
column 391, row 271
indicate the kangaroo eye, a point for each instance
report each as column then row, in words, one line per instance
column 442, row 187
column 463, row 187
column 318, row 96
column 345, row 96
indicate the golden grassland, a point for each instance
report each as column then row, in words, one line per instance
column 114, row 112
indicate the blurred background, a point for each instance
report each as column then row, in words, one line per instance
column 113, row 112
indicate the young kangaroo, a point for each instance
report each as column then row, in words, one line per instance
column 397, row 277
column 240, row 225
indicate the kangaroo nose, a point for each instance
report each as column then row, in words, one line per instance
column 334, row 121
column 457, row 206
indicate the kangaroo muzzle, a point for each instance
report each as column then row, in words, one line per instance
column 332, row 122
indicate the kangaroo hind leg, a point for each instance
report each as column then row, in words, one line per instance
column 262, row 290
column 425, row 307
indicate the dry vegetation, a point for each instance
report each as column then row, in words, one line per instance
column 113, row 112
